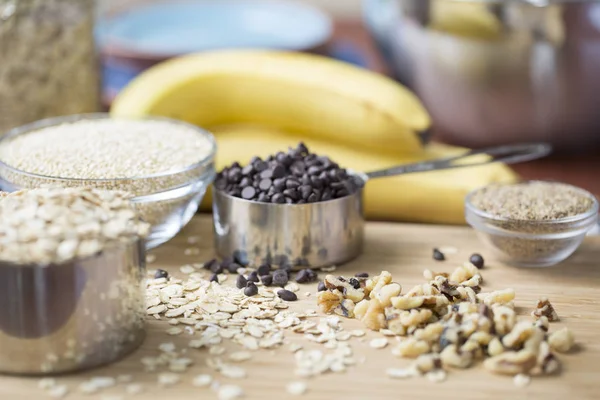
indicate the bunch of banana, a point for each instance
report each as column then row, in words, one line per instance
column 261, row 102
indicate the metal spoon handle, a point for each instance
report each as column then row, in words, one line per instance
column 510, row 154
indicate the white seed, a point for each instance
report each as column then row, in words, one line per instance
column 46, row 383
column 216, row 350
column 401, row 373
column 297, row 388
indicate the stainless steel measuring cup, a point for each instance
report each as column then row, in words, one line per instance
column 325, row 233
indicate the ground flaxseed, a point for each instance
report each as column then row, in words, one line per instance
column 532, row 201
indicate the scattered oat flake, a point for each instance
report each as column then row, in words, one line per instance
column 193, row 239
column 378, row 343
column 297, row 388
column 216, row 350
column 168, row 379
column 230, row 392
column 521, row 380
column 58, row 391
column 134, row 388
column 294, row 347
column 240, row 356
column 400, row 373
column 191, row 251
column 437, row 375
column 357, row 333
column 46, row 383
column 174, row 331
column 187, row 269
column 329, row 269
column 202, row 380
column 233, row 371
column 167, row 347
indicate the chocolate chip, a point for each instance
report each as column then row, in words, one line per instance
column 241, row 282
column 251, row 289
column 438, row 255
column 209, row 264
column 266, row 174
column 225, row 262
column 216, row 268
column 248, row 170
column 298, row 176
column 355, row 283
column 267, row 280
column 233, row 267
column 362, row 275
column 321, row 287
column 280, row 277
column 214, row 278
column 477, row 261
column 253, row 276
column 161, row 273
column 248, row 193
column 265, row 184
column 291, row 193
column 264, row 269
column 278, row 198
column 287, row 295
column 306, row 275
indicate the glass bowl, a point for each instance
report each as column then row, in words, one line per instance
column 167, row 201
column 531, row 243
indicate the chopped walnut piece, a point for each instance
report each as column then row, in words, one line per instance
column 345, row 308
column 464, row 273
column 411, row 348
column 374, row 317
column 360, row 309
column 409, row 303
column 561, row 340
column 498, row 297
column 329, row 300
column 521, row 332
column 344, row 286
column 545, row 309
column 543, row 323
column 504, row 319
column 511, row 362
column 431, row 333
column 428, row 362
column 451, row 357
column 386, row 293
column 495, row 347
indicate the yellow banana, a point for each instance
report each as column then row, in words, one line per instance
column 434, row 197
column 299, row 93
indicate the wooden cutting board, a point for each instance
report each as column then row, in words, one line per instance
column 405, row 251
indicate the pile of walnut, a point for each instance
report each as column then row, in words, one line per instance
column 449, row 323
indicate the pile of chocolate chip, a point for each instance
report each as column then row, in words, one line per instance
column 295, row 177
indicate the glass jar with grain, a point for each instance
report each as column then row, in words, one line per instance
column 48, row 63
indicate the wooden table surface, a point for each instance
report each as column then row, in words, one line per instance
column 405, row 251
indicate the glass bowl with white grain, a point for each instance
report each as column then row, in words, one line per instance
column 164, row 165
column 532, row 223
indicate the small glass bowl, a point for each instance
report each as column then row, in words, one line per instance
column 167, row 200
column 531, row 243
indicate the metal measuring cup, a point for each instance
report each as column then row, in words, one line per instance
column 324, row 233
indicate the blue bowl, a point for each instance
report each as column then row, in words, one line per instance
column 169, row 29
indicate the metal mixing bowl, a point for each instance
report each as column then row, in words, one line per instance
column 495, row 72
